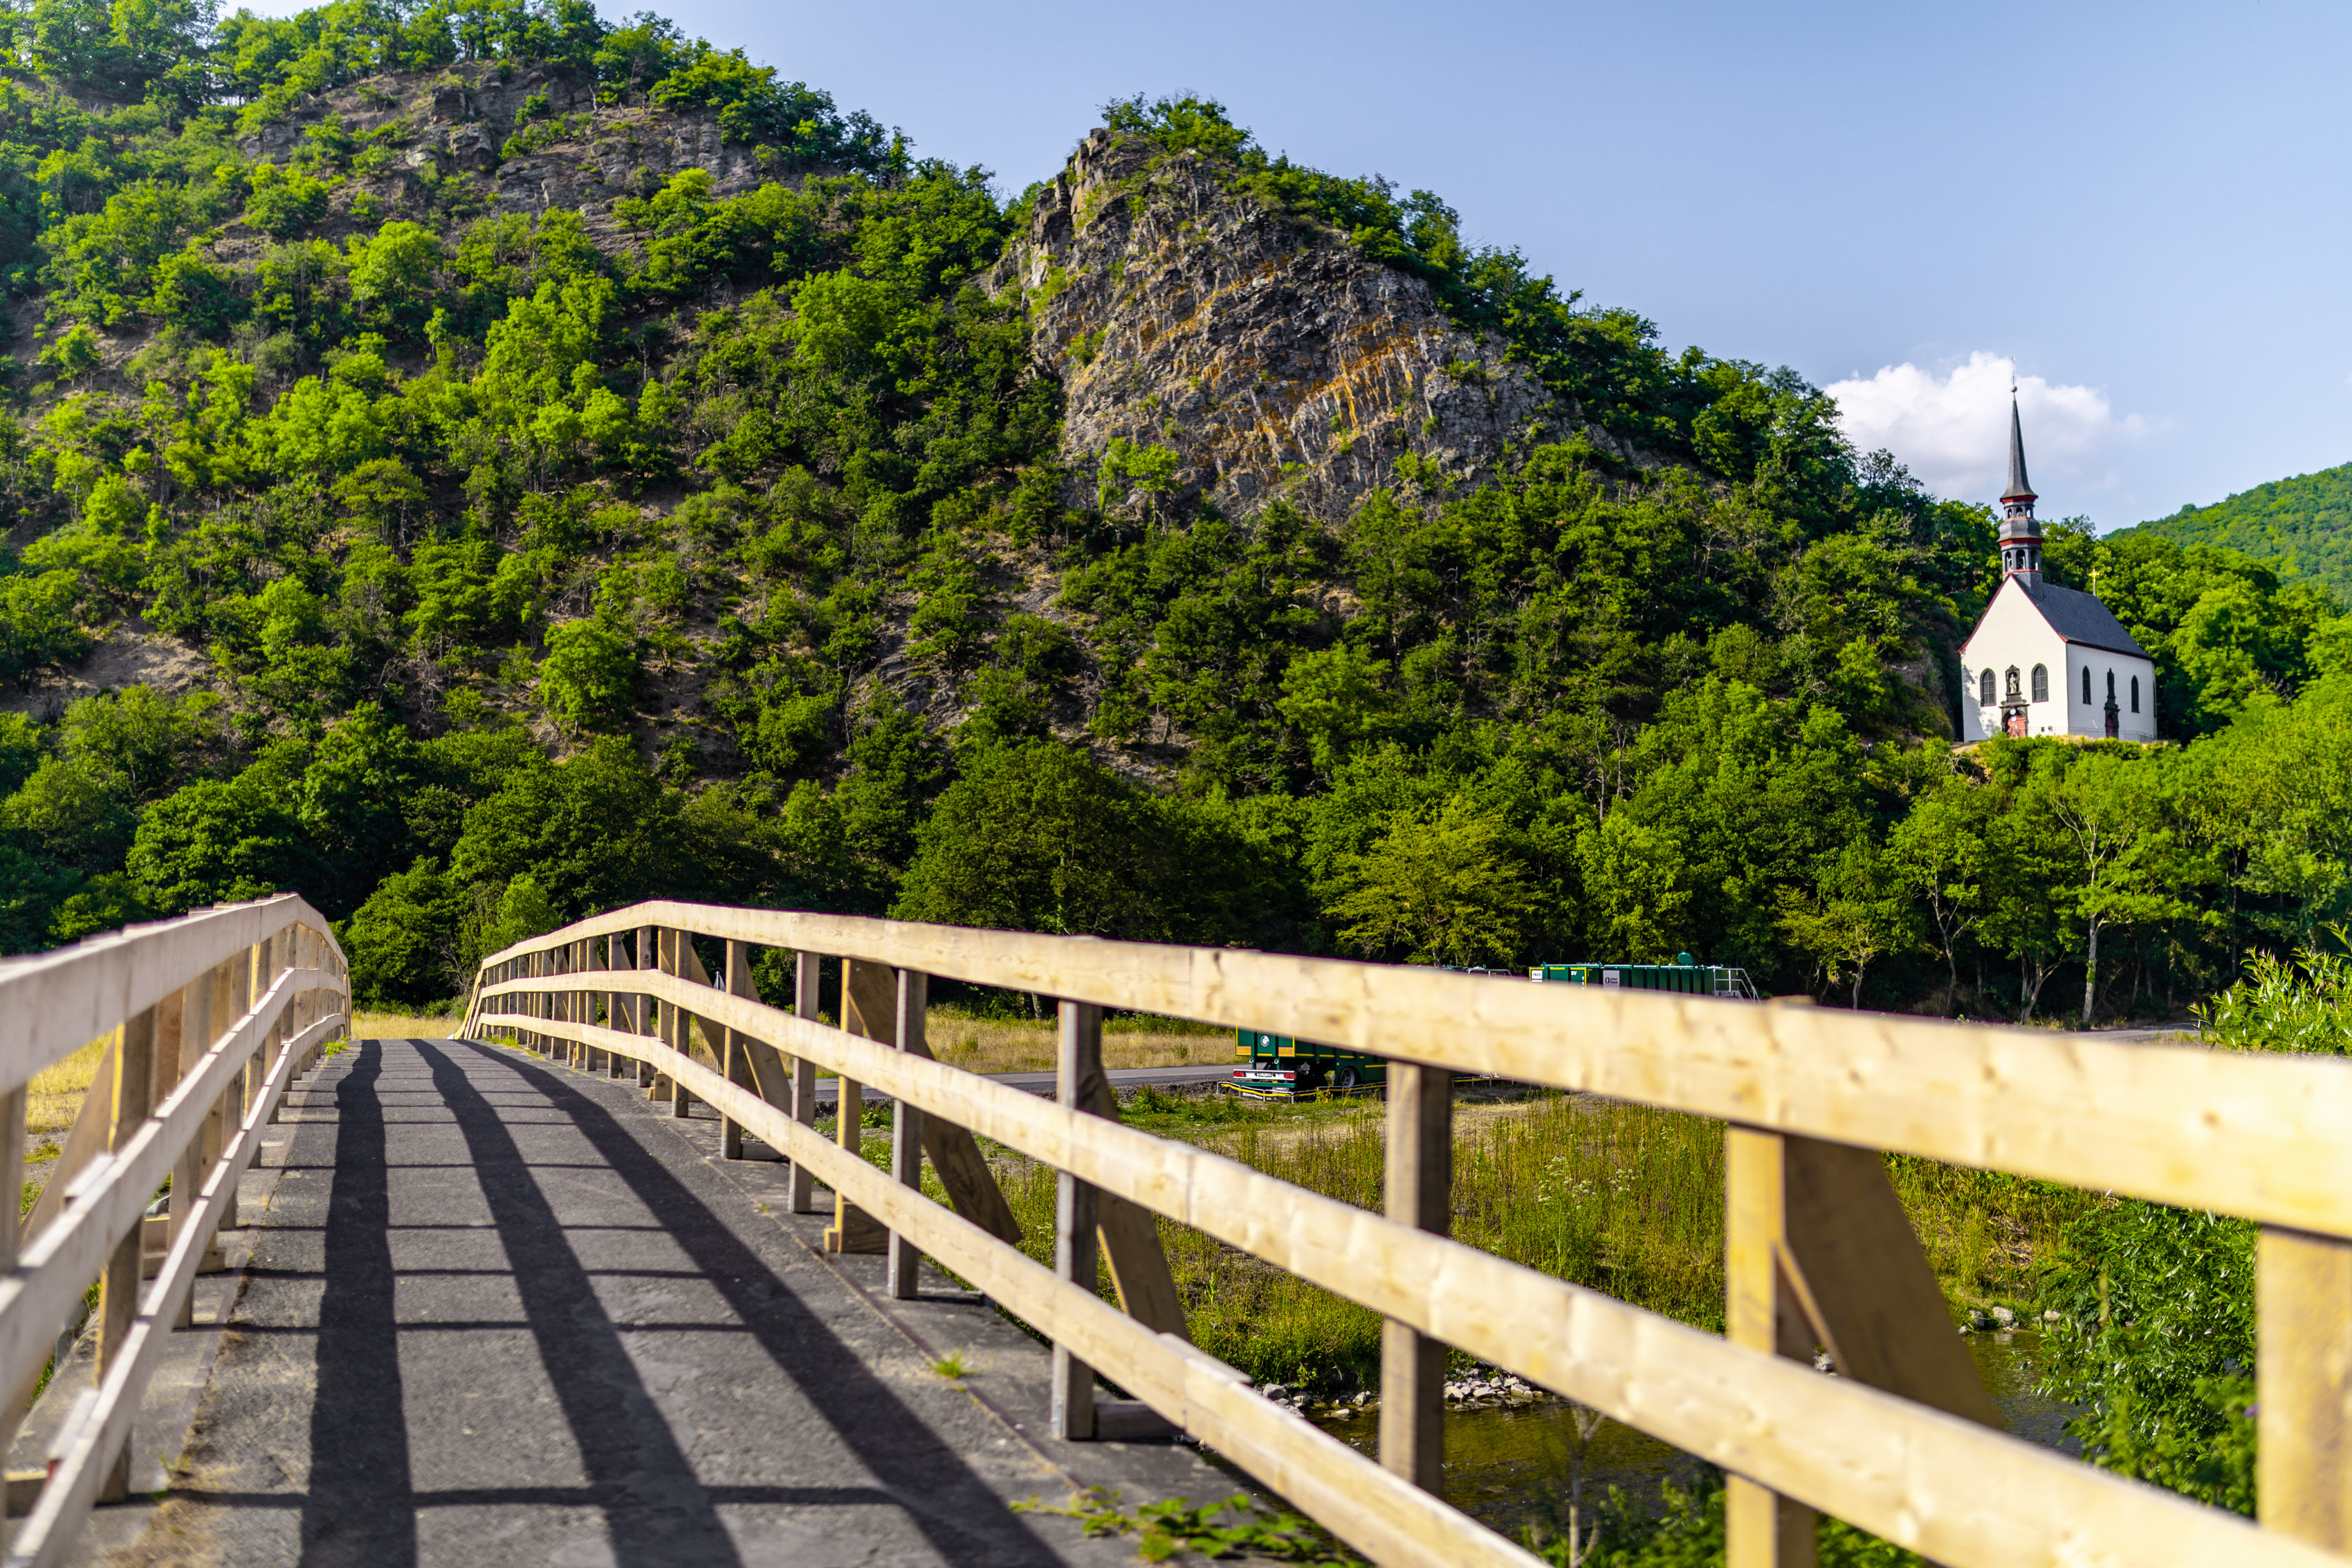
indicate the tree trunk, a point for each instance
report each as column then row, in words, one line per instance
column 2091, row 975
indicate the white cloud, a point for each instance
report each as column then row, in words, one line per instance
column 1952, row 429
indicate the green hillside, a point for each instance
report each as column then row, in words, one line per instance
column 2304, row 523
column 475, row 463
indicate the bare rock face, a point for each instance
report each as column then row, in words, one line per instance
column 571, row 152
column 1271, row 355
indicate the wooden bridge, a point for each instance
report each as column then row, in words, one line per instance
column 213, row 1016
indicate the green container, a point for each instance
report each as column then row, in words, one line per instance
column 1683, row 975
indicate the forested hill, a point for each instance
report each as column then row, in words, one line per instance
column 2304, row 524
column 476, row 464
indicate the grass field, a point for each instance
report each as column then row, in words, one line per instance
column 54, row 1098
column 1621, row 1197
column 401, row 1026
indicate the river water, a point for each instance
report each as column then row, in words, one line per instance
column 1508, row 1466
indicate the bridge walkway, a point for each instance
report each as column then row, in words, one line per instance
column 500, row 1313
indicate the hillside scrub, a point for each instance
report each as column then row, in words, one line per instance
column 590, row 467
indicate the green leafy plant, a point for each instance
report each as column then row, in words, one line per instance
column 1235, row 1527
column 2299, row 1005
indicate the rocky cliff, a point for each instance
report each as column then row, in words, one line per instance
column 529, row 139
column 1266, row 350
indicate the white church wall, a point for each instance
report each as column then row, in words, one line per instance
column 2012, row 632
column 2091, row 717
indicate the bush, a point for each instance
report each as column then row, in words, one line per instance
column 39, row 623
column 403, row 942
column 2302, row 1006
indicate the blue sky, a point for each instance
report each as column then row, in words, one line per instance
column 2143, row 205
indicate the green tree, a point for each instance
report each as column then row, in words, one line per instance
column 2112, row 812
column 1855, row 915
column 1037, row 837
column 1937, row 852
column 1438, row 887
column 589, row 675
column 403, row 941
column 222, row 840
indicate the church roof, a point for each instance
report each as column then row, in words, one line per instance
column 2079, row 617
column 2019, row 488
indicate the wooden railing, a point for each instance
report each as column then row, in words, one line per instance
column 205, row 1020
column 1905, row 1443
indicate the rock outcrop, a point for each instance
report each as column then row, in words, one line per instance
column 1270, row 354
column 570, row 150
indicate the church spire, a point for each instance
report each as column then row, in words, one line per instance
column 2019, row 489
column 2021, row 536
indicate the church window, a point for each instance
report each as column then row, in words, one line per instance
column 2135, row 689
column 1984, row 690
column 2042, row 682
column 2011, row 688
column 2087, row 685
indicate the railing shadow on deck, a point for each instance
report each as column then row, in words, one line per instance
column 1905, row 1443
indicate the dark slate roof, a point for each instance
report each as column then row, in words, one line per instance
column 2080, row 618
column 2019, row 488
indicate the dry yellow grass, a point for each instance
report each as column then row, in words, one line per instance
column 1006, row 1045
column 400, row 1026
column 54, row 1098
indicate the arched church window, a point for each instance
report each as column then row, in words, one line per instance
column 2010, row 686
column 2086, row 685
column 1984, row 690
column 2042, row 682
column 2135, row 689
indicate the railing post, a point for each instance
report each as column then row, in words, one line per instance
column 2303, row 1372
column 265, row 975
column 118, row 1299
column 620, row 1007
column 559, row 1003
column 869, row 1003
column 197, row 1031
column 602, row 962
column 231, row 1001
column 1762, row 1528
column 648, row 958
column 12, row 1170
column 907, row 1133
column 678, row 1024
column 734, row 1058
column 1419, row 1193
column 808, row 968
column 1077, row 1058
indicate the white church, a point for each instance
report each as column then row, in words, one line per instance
column 2047, row 660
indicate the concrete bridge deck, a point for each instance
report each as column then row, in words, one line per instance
column 499, row 1312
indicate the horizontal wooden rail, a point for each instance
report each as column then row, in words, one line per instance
column 2262, row 1136
column 1961, row 1493
column 52, row 1003
column 115, row 1190
column 208, row 1018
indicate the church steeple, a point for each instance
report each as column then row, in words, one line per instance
column 2021, row 536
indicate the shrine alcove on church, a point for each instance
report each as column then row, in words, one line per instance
column 2047, row 660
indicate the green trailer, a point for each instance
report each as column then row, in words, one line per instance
column 1276, row 1067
